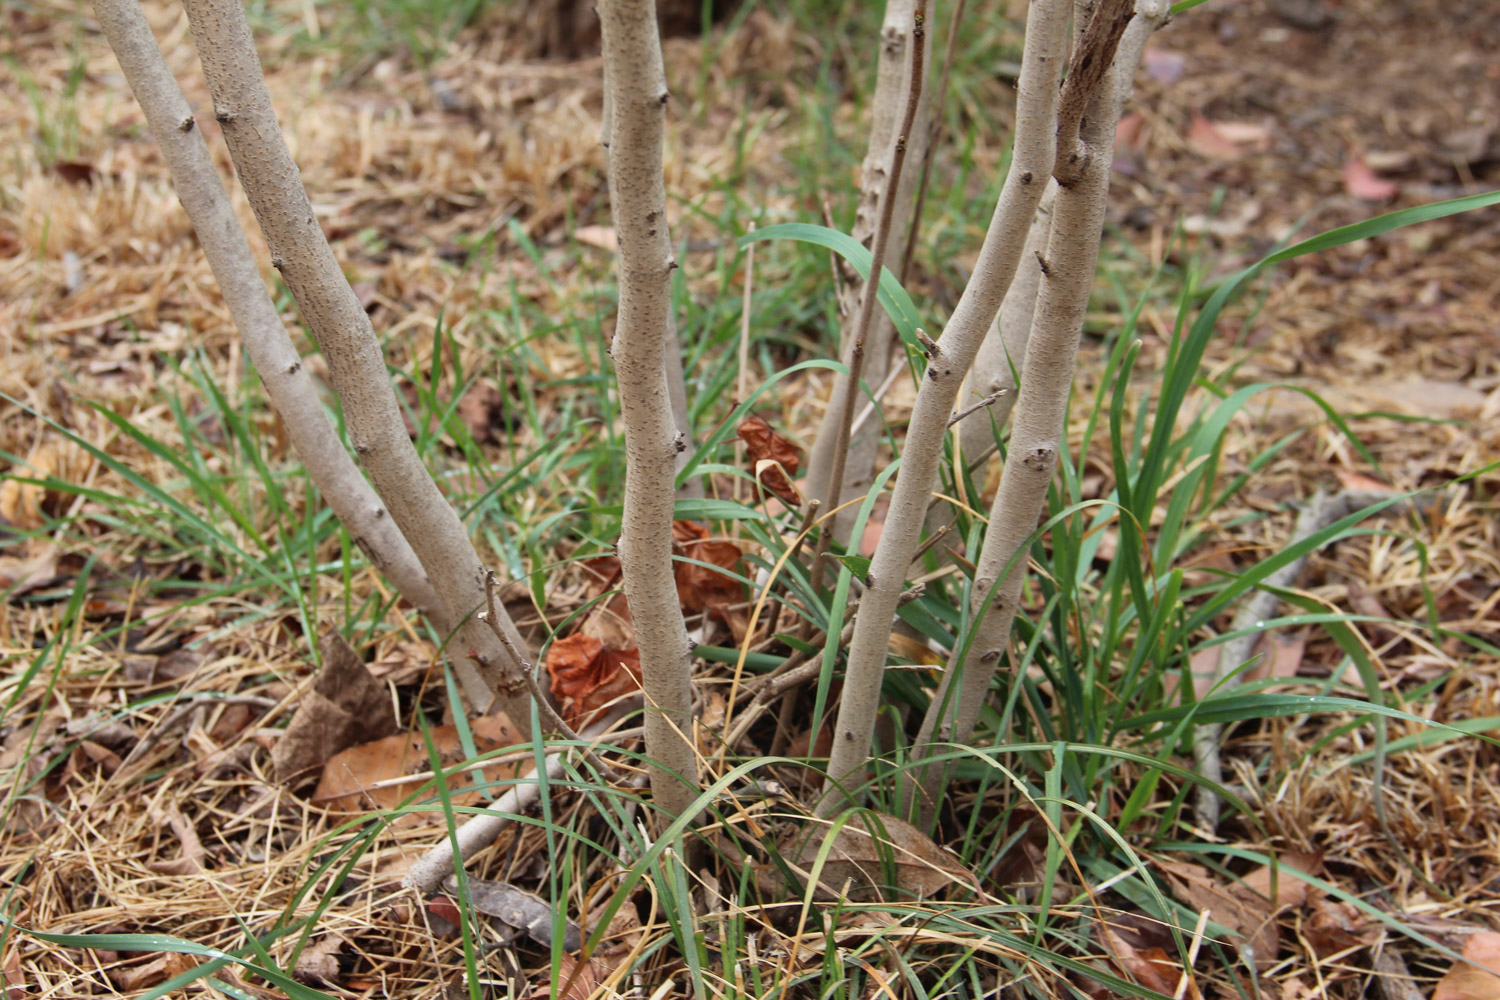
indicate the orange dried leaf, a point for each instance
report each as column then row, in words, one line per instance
column 772, row 458
column 587, row 675
column 1464, row 981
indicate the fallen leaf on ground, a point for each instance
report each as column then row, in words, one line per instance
column 10, row 974
column 602, row 237
column 1464, row 981
column 1361, row 482
column 1235, row 906
column 517, row 908
column 482, row 409
column 346, row 706
column 587, row 675
column 21, row 502
column 1361, row 182
column 135, row 978
column 1206, row 139
column 193, row 851
column 318, row 964
column 577, row 980
column 1153, row 968
column 1290, row 890
column 349, row 778
column 869, row 852
column 704, row 587
column 1334, row 926
column 21, row 574
column 773, row 459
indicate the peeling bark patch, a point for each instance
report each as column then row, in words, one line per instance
column 1041, row 262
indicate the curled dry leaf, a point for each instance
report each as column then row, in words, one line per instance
column 1467, row 981
column 1151, row 967
column 587, row 675
column 701, row 587
column 773, row 460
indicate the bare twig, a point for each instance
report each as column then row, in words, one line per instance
column 1036, row 136
column 872, row 285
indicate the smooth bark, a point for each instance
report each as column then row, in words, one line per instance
column 636, row 83
column 356, row 365
column 288, row 384
column 951, row 356
column 1039, row 433
column 892, row 85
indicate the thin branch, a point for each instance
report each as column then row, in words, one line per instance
column 1038, row 433
column 872, row 283
column 288, row 383
column 300, row 251
column 934, row 137
column 1035, row 143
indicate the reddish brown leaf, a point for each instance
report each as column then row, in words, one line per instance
column 773, row 460
column 1151, row 967
column 701, row 588
column 587, row 675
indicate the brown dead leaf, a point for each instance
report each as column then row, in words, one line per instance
column 868, row 852
column 1464, row 981
column 1333, row 927
column 1153, row 968
column 1361, row 182
column 702, row 587
column 1290, row 890
column 517, row 908
column 348, row 780
column 1236, row 907
column 10, row 974
column 773, row 460
column 347, row 706
column 21, row 502
column 602, row 237
column 1206, row 139
column 577, row 980
column 37, row 567
column 136, row 978
column 482, row 409
column 318, row 964
column 587, row 675
column 186, row 833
